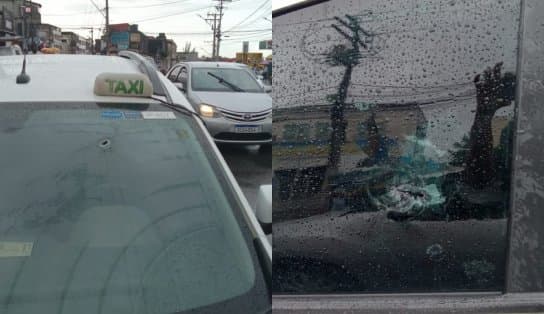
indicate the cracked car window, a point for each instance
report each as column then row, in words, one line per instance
column 393, row 128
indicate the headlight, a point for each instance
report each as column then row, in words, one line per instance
column 208, row 111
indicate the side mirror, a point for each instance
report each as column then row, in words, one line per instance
column 263, row 208
column 267, row 89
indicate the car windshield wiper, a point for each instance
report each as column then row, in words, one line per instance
column 226, row 83
column 177, row 108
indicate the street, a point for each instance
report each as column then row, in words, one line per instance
column 251, row 166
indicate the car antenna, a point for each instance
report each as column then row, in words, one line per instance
column 23, row 78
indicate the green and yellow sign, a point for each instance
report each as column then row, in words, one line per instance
column 123, row 85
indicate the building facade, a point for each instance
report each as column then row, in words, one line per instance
column 50, row 36
column 73, row 43
column 17, row 11
column 128, row 37
column 7, row 30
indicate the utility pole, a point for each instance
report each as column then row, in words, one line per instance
column 212, row 21
column 24, row 10
column 220, row 7
column 107, row 24
column 348, row 57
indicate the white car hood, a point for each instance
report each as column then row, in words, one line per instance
column 241, row 102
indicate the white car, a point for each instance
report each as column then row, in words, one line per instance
column 233, row 104
column 10, row 50
column 115, row 199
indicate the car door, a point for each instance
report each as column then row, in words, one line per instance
column 407, row 169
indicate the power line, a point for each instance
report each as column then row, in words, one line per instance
column 170, row 15
column 220, row 7
column 149, row 5
column 250, row 15
column 115, row 8
column 71, row 14
column 247, row 32
column 267, row 11
column 97, row 8
column 212, row 21
column 246, row 37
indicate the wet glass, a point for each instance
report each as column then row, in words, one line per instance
column 106, row 210
column 393, row 127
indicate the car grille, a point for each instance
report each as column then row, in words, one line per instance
column 229, row 136
column 245, row 116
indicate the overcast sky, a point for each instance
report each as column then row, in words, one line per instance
column 247, row 20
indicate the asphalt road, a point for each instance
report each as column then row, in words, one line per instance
column 251, row 166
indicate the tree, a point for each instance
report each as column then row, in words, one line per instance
column 187, row 48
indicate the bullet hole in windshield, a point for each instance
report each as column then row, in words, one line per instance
column 105, row 144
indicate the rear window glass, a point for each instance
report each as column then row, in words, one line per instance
column 393, row 126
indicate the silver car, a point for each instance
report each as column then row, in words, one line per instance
column 228, row 97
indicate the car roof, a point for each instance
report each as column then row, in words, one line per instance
column 207, row 64
column 65, row 78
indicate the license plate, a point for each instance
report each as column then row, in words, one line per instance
column 247, row 129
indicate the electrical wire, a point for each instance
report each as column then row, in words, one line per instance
column 148, row 5
column 264, row 2
column 98, row 8
column 258, row 18
column 170, row 15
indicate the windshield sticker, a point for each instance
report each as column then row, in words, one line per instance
column 133, row 115
column 113, row 115
column 183, row 134
column 15, row 249
column 158, row 115
column 122, row 115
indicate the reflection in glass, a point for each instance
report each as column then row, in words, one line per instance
column 392, row 166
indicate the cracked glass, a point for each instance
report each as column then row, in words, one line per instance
column 393, row 127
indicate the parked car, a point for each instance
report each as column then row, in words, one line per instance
column 232, row 103
column 114, row 198
column 10, row 50
column 407, row 166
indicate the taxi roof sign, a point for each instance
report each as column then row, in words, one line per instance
column 123, row 85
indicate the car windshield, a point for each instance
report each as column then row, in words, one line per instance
column 116, row 209
column 202, row 81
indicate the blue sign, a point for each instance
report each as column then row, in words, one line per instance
column 120, row 39
column 112, row 115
